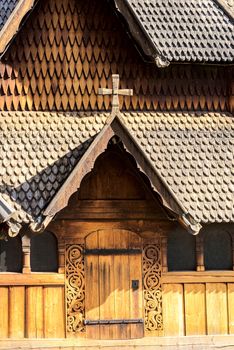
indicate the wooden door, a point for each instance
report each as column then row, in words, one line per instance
column 114, row 300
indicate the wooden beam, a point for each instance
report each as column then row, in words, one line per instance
column 31, row 279
column 198, row 277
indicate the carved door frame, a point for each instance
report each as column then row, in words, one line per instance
column 75, row 287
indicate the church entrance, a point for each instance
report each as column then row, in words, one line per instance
column 113, row 252
column 114, row 300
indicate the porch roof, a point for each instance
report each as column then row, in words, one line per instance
column 191, row 153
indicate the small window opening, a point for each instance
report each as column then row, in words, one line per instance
column 44, row 253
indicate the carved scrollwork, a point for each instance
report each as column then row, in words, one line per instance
column 152, row 269
column 75, row 288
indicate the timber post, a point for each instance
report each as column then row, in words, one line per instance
column 61, row 257
column 26, row 246
column 200, row 253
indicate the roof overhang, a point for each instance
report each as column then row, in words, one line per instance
column 7, row 216
column 140, row 35
column 115, row 127
column 12, row 25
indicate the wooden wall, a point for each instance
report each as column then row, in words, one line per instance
column 188, row 309
column 198, row 308
column 32, row 311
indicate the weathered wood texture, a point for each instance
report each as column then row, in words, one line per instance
column 109, row 291
column 32, row 312
column 217, row 342
column 114, row 189
column 68, row 49
column 198, row 309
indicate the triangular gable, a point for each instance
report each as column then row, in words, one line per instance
column 115, row 126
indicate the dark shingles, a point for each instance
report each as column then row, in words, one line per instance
column 187, row 30
column 193, row 153
column 6, row 8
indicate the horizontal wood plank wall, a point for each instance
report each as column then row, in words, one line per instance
column 198, row 309
column 32, row 312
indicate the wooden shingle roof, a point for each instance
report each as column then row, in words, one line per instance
column 193, row 153
column 167, row 30
column 183, row 30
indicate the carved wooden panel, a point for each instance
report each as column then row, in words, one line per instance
column 152, row 269
column 75, row 288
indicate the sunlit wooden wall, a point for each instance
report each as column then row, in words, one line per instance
column 32, row 312
column 188, row 309
column 198, row 308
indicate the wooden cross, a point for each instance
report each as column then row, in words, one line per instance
column 115, row 92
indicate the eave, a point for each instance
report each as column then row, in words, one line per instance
column 115, row 127
column 13, row 24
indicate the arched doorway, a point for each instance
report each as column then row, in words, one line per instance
column 114, row 300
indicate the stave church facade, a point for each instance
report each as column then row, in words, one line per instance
column 116, row 174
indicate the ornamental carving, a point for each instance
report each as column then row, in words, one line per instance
column 75, row 288
column 152, row 269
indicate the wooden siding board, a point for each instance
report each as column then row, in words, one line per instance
column 16, row 312
column 230, row 290
column 173, row 309
column 4, row 304
column 195, row 310
column 34, row 312
column 54, row 315
column 216, row 308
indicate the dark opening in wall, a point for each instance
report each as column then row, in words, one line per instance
column 44, row 253
column 11, row 257
column 217, row 247
column 181, row 251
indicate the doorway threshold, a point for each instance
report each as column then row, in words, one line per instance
column 168, row 343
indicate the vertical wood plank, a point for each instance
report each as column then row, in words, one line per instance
column 92, row 287
column 106, row 284
column 16, row 312
column 136, row 296
column 54, row 315
column 216, row 308
column 195, row 310
column 4, row 312
column 121, row 284
column 34, row 312
column 173, row 309
column 231, row 307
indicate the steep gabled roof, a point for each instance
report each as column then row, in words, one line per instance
column 167, row 30
column 192, row 153
column 115, row 126
column 183, row 30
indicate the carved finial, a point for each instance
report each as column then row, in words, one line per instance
column 115, row 92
